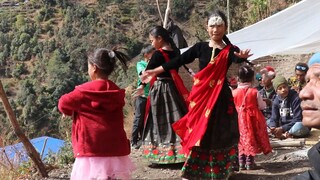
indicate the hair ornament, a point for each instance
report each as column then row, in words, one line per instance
column 215, row 20
column 111, row 54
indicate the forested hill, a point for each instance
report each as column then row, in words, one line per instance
column 43, row 46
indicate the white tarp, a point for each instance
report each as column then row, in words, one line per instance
column 295, row 30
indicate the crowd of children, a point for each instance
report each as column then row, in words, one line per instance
column 214, row 129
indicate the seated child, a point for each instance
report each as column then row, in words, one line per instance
column 286, row 117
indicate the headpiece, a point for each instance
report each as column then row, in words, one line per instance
column 215, row 20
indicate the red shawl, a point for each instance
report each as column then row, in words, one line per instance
column 183, row 91
column 203, row 96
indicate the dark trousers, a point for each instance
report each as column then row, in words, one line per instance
column 140, row 109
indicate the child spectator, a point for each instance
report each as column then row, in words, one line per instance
column 233, row 82
column 99, row 141
column 141, row 100
column 267, row 92
column 286, row 117
column 259, row 78
column 252, row 125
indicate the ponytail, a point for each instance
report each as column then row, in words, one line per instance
column 123, row 58
column 105, row 59
column 174, row 47
column 226, row 40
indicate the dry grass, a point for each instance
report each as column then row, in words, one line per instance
column 128, row 121
column 8, row 170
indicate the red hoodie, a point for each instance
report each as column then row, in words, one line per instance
column 97, row 127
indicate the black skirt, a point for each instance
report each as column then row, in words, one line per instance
column 160, row 143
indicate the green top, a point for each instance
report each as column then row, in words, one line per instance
column 141, row 66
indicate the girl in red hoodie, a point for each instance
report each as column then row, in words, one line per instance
column 99, row 141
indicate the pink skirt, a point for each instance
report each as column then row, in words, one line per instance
column 101, row 168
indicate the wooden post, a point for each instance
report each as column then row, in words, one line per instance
column 1, row 142
column 166, row 16
column 228, row 16
column 32, row 153
column 160, row 14
column 288, row 143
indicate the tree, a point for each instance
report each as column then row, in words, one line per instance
column 20, row 21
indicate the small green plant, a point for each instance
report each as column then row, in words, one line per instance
column 65, row 155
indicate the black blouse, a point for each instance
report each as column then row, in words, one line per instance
column 203, row 52
column 157, row 60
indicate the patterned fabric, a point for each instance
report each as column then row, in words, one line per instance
column 163, row 154
column 160, row 144
column 293, row 82
column 203, row 96
column 210, row 164
column 252, row 125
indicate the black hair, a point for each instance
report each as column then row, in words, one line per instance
column 246, row 73
column 159, row 31
column 224, row 18
column 105, row 59
column 147, row 49
column 301, row 65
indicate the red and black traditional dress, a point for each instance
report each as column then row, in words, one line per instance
column 166, row 105
column 209, row 131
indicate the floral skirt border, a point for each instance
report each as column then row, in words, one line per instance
column 164, row 154
column 210, row 164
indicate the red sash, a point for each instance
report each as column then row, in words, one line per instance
column 183, row 91
column 202, row 98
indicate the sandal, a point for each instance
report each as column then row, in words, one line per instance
column 242, row 167
column 251, row 166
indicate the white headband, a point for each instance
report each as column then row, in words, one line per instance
column 215, row 20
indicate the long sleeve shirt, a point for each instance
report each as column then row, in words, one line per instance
column 286, row 112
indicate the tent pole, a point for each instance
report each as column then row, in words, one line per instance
column 44, row 146
column 32, row 153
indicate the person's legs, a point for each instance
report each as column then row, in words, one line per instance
column 140, row 106
column 298, row 130
column 250, row 164
column 242, row 162
column 143, row 102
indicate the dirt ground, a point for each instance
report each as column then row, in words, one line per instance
column 282, row 163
